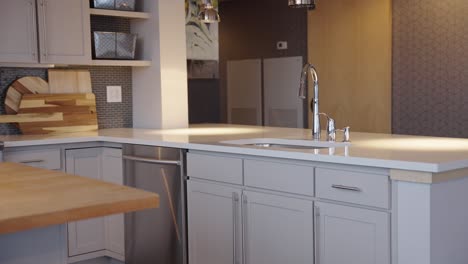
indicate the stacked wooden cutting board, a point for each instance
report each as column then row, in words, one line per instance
column 65, row 104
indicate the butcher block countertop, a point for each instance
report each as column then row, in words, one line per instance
column 32, row 197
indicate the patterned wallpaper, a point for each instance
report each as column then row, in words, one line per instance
column 430, row 67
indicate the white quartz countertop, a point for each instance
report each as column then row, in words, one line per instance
column 416, row 153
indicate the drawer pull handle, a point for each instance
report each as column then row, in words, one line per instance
column 346, row 188
column 31, row 161
column 149, row 160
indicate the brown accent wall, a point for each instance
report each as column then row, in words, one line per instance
column 349, row 42
column 430, row 67
column 250, row 29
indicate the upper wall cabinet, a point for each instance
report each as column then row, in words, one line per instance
column 64, row 31
column 19, row 31
column 45, row 31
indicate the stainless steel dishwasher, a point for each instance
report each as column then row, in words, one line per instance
column 157, row 235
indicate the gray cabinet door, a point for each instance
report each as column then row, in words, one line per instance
column 213, row 223
column 86, row 235
column 46, row 245
column 351, row 235
column 19, row 34
column 65, row 32
column 102, row 233
column 277, row 229
column 112, row 171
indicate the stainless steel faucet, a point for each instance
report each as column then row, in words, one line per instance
column 315, row 101
column 314, row 105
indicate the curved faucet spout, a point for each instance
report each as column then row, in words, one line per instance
column 315, row 101
column 303, row 85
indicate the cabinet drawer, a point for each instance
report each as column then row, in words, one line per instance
column 41, row 158
column 284, row 177
column 215, row 168
column 353, row 187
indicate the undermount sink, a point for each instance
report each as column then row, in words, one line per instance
column 286, row 143
column 273, row 145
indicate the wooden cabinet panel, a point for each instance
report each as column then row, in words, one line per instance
column 18, row 29
column 65, row 31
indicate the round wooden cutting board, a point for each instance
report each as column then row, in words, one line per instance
column 25, row 85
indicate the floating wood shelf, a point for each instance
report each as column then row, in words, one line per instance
column 132, row 63
column 117, row 13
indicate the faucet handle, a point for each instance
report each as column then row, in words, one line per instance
column 331, row 127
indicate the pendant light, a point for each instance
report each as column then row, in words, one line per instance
column 310, row 4
column 208, row 13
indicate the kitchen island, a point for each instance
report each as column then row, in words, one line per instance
column 389, row 198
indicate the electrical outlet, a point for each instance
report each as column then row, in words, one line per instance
column 282, row 45
column 114, row 94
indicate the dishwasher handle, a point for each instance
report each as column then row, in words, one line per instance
column 153, row 161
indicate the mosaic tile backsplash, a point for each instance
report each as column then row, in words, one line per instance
column 430, row 67
column 110, row 115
